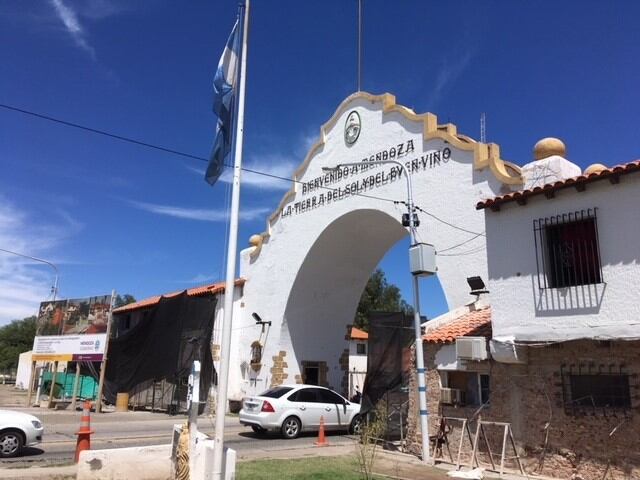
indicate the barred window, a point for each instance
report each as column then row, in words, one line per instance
column 589, row 389
column 567, row 250
column 600, row 391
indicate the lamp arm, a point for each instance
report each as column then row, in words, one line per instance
column 55, row 268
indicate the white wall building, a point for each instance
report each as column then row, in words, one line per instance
column 557, row 354
column 564, row 253
column 358, row 351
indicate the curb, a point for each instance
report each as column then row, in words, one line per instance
column 39, row 473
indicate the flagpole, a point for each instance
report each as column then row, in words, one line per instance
column 225, row 347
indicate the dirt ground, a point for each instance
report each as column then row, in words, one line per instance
column 400, row 466
column 11, row 397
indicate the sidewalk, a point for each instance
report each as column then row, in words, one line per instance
column 393, row 465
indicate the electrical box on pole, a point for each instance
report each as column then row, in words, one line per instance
column 422, row 259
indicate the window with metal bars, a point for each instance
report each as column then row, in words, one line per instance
column 600, row 391
column 596, row 390
column 567, row 250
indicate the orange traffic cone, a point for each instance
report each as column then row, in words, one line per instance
column 84, row 434
column 322, row 442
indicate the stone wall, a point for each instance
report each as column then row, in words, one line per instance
column 552, row 440
column 279, row 369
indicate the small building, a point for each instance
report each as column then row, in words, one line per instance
column 357, row 360
column 557, row 354
column 166, row 390
column 23, row 373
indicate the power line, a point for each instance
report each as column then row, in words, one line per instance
column 203, row 159
column 478, row 234
column 102, row 132
column 461, row 243
column 170, row 150
column 462, row 254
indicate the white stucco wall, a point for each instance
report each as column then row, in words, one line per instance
column 605, row 311
column 237, row 380
column 357, row 361
column 23, row 374
column 314, row 264
column 357, row 366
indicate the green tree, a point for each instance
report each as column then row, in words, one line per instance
column 125, row 299
column 379, row 296
column 15, row 338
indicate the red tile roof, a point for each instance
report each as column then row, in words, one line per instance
column 472, row 324
column 211, row 289
column 357, row 334
column 612, row 174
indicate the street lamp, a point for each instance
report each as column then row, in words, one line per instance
column 54, row 289
column 415, row 253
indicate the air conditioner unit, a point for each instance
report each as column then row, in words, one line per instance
column 471, row 348
column 451, row 396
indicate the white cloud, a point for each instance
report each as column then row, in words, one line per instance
column 198, row 171
column 25, row 283
column 448, row 74
column 70, row 19
column 201, row 214
column 274, row 173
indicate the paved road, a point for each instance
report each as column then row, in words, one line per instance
column 117, row 430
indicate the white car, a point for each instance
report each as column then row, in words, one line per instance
column 18, row 430
column 292, row 409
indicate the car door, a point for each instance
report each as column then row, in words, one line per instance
column 333, row 409
column 308, row 407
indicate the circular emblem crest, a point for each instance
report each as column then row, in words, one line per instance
column 352, row 128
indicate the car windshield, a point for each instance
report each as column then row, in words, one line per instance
column 276, row 392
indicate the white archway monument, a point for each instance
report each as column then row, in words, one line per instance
column 306, row 272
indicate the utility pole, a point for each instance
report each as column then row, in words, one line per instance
column 359, row 82
column 412, row 224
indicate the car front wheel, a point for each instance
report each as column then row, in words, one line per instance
column 291, row 428
column 11, row 443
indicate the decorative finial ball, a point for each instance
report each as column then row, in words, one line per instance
column 255, row 240
column 595, row 168
column 549, row 146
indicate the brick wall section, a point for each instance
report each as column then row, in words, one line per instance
column 530, row 397
column 215, row 352
column 279, row 369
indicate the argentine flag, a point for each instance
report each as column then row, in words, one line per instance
column 224, row 83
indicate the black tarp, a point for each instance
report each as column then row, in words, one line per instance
column 388, row 364
column 163, row 346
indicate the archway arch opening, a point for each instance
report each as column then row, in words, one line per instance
column 327, row 289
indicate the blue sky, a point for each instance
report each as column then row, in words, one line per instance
column 114, row 215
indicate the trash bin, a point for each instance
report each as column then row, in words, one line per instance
column 122, row 402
